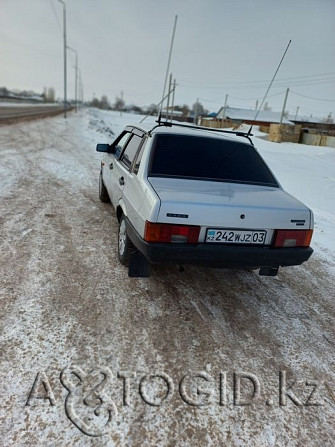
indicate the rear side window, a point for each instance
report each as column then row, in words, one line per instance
column 139, row 159
column 129, row 153
column 208, row 159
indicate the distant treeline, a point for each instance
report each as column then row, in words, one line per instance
column 48, row 95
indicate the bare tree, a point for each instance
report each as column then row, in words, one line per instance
column 199, row 109
column 153, row 109
column 49, row 94
column 104, row 103
column 329, row 119
column 184, row 109
column 119, row 103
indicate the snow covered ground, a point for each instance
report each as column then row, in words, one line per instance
column 306, row 172
column 250, row 349
column 28, row 104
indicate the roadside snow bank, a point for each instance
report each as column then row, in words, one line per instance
column 306, row 172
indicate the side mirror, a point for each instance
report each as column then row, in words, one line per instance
column 104, row 148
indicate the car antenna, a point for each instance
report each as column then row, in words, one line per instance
column 169, row 61
column 270, row 85
column 166, row 75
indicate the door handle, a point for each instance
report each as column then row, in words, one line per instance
column 121, row 181
column 111, row 166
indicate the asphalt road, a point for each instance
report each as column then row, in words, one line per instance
column 196, row 358
column 12, row 112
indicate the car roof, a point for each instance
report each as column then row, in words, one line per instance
column 172, row 128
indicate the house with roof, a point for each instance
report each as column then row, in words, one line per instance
column 307, row 130
column 279, row 127
column 248, row 116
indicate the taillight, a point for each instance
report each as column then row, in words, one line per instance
column 169, row 233
column 293, row 238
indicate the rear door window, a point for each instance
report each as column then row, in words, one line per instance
column 139, row 158
column 130, row 151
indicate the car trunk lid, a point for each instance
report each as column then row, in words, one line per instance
column 228, row 205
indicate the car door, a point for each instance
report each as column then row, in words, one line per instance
column 134, row 196
column 111, row 171
column 122, row 167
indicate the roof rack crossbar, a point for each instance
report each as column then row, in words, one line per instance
column 210, row 129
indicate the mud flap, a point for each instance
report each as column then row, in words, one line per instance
column 268, row 271
column 139, row 266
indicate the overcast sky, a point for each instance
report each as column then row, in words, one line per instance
column 221, row 47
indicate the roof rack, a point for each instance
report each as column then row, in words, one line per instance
column 210, row 129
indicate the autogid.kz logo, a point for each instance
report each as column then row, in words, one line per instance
column 90, row 397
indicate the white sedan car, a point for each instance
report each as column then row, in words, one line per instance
column 189, row 195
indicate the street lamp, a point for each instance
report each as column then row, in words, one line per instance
column 76, row 77
column 64, row 35
column 81, row 88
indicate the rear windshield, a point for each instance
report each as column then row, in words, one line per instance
column 208, row 158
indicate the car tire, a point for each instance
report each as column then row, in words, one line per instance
column 103, row 193
column 125, row 246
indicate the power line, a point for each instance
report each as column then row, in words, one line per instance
column 315, row 79
column 243, row 85
column 218, row 100
column 307, row 76
column 254, row 99
column 311, row 110
column 310, row 97
column 311, row 82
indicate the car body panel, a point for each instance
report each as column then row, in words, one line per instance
column 219, row 204
column 218, row 255
column 208, row 204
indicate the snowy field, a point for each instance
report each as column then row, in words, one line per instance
column 202, row 357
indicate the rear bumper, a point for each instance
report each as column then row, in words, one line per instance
column 217, row 255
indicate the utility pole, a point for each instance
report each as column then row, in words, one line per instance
column 284, row 105
column 195, row 112
column 157, row 105
column 169, row 61
column 81, row 89
column 296, row 114
column 64, row 38
column 224, row 109
column 76, row 77
column 168, row 99
column 173, row 91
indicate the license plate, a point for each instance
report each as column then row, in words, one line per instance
column 223, row 236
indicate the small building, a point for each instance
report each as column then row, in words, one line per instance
column 279, row 128
column 312, row 124
column 238, row 116
column 316, row 131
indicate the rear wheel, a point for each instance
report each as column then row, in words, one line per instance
column 103, row 194
column 125, row 246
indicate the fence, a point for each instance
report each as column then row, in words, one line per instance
column 217, row 124
column 281, row 133
column 317, row 140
